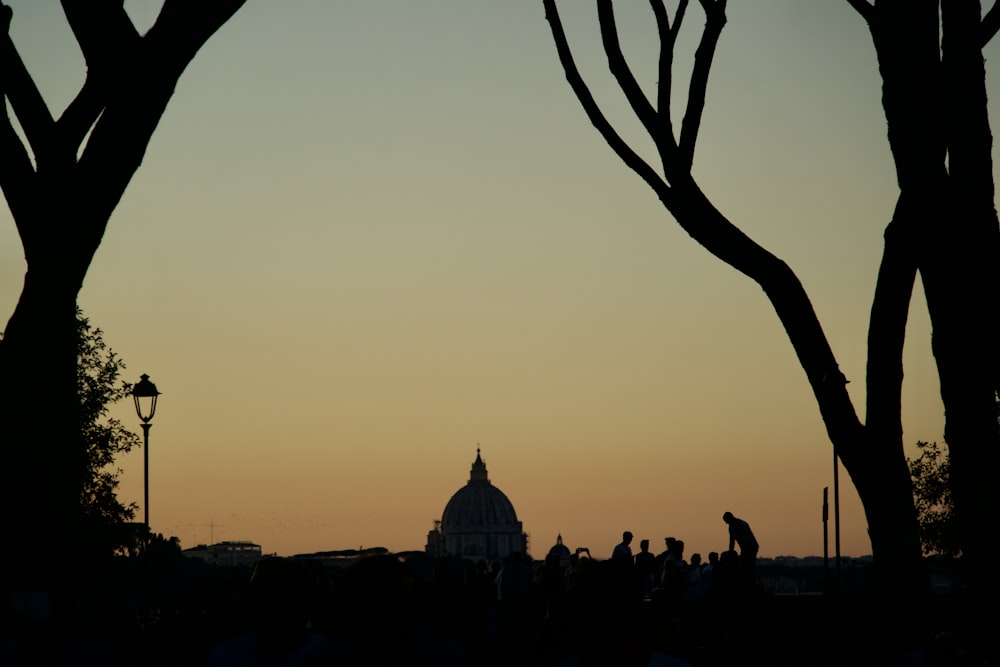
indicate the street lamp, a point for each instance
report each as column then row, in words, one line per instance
column 144, row 394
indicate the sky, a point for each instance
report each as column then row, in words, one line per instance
column 370, row 237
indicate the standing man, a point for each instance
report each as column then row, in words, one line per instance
column 740, row 534
column 623, row 552
column 645, row 567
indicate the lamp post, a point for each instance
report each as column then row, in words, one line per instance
column 144, row 393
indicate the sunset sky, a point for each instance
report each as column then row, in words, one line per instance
column 370, row 236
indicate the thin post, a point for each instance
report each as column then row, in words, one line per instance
column 826, row 539
column 145, row 483
column 836, row 514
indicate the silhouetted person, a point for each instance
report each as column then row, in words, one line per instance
column 673, row 565
column 673, row 579
column 622, row 554
column 708, row 571
column 692, row 584
column 551, row 585
column 516, row 612
column 645, row 568
column 662, row 557
column 741, row 535
column 552, row 601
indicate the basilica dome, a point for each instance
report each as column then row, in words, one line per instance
column 479, row 521
column 478, row 503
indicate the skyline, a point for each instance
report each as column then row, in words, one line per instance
column 367, row 239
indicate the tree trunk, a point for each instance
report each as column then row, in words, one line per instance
column 62, row 195
column 872, row 453
column 934, row 95
column 42, row 477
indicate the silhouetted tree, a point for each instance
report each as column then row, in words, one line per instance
column 944, row 226
column 932, row 495
column 62, row 178
column 100, row 386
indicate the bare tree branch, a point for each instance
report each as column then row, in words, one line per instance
column 18, row 86
column 679, row 18
column 990, row 25
column 616, row 63
column 111, row 47
column 16, row 170
column 597, row 118
column 183, row 27
column 118, row 142
column 81, row 114
column 887, row 329
column 105, row 33
column 715, row 20
column 17, row 173
column 864, row 8
column 665, row 68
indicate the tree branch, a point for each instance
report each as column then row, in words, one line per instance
column 698, row 217
column 887, row 329
column 626, row 80
column 105, row 33
column 16, row 170
column 81, row 114
column 665, row 67
column 120, row 136
column 864, row 8
column 597, row 118
column 25, row 99
column 679, row 17
column 183, row 27
column 990, row 25
column 715, row 20
column 111, row 47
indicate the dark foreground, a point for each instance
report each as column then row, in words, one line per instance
column 384, row 611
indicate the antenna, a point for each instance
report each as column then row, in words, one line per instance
column 211, row 530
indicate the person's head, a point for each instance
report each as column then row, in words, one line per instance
column 626, row 537
column 644, row 545
column 713, row 556
column 670, row 542
column 727, row 517
column 696, row 559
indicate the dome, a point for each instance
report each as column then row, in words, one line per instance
column 478, row 503
column 559, row 549
column 479, row 520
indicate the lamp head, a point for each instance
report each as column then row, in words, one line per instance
column 144, row 394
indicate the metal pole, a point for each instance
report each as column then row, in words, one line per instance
column 826, row 538
column 145, row 509
column 836, row 512
column 145, row 468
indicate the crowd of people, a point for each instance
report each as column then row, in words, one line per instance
column 632, row 609
column 389, row 610
column 669, row 571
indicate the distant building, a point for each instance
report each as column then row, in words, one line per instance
column 343, row 557
column 560, row 550
column 479, row 522
column 226, row 553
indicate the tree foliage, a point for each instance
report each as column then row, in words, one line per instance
column 100, row 386
column 932, row 496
